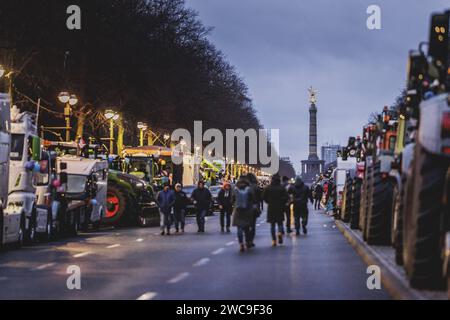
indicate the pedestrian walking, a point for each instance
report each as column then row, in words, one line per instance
column 318, row 193
column 301, row 193
column 256, row 201
column 287, row 206
column 179, row 207
column 165, row 201
column 243, row 212
column 225, row 200
column 276, row 198
column 202, row 201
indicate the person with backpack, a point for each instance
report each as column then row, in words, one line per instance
column 256, row 196
column 301, row 193
column 165, row 201
column 179, row 208
column 276, row 198
column 225, row 200
column 243, row 212
column 318, row 193
column 202, row 198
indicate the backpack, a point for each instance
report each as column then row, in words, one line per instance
column 243, row 198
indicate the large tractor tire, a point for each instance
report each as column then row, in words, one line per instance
column 120, row 209
column 346, row 200
column 355, row 203
column 365, row 196
column 378, row 224
column 397, row 221
column 423, row 224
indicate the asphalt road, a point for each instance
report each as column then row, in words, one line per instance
column 139, row 263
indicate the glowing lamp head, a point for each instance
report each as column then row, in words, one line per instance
column 2, row 71
column 73, row 100
column 109, row 114
column 63, row 97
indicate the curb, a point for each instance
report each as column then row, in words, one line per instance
column 392, row 281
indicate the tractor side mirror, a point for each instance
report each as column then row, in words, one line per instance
column 63, row 166
column 63, row 177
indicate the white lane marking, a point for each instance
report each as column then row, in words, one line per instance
column 229, row 243
column 157, row 233
column 258, row 224
column 147, row 296
column 113, row 246
column 44, row 266
column 218, row 251
column 82, row 254
column 334, row 227
column 3, row 278
column 324, row 225
column 139, row 240
column 179, row 277
column 201, row 262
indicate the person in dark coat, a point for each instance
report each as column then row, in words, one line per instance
column 202, row 200
column 243, row 212
column 276, row 198
column 301, row 193
column 179, row 207
column 318, row 193
column 165, row 201
column 256, row 196
column 225, row 200
column 287, row 208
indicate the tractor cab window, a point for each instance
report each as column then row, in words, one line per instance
column 76, row 183
column 17, row 146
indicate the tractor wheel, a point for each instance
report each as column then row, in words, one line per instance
column 423, row 224
column 346, row 201
column 365, row 196
column 397, row 221
column 118, row 206
column 355, row 203
column 378, row 217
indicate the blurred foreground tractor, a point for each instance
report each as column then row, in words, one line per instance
column 426, row 209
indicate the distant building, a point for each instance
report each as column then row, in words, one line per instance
column 329, row 153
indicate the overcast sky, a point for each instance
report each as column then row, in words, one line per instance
column 281, row 47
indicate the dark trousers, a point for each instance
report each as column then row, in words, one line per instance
column 252, row 230
column 243, row 232
column 287, row 212
column 300, row 212
column 179, row 215
column 273, row 229
column 317, row 202
column 201, row 213
column 166, row 220
column 225, row 217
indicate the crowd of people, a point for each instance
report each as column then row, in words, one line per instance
column 240, row 205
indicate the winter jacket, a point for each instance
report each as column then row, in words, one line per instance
column 181, row 200
column 300, row 195
column 319, row 191
column 244, row 217
column 225, row 198
column 203, row 198
column 165, row 201
column 276, row 197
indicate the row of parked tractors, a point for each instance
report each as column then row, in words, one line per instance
column 51, row 189
column 399, row 191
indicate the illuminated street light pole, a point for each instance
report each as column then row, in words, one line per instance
column 111, row 116
column 69, row 100
column 142, row 127
column 166, row 138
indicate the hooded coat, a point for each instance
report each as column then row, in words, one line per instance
column 276, row 197
column 300, row 195
column 244, row 217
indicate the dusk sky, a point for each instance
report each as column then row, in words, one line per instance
column 281, row 47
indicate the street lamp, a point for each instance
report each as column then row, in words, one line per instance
column 112, row 116
column 142, row 127
column 166, row 138
column 2, row 71
column 69, row 100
